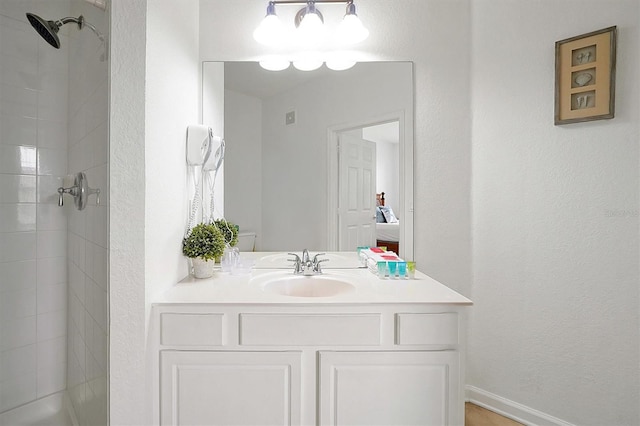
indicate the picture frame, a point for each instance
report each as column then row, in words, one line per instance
column 585, row 77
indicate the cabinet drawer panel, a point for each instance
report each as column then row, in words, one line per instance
column 191, row 329
column 427, row 329
column 310, row 329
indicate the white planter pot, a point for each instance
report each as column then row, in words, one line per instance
column 202, row 268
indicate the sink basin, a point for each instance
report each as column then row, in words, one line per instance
column 311, row 286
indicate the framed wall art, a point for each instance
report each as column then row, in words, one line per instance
column 585, row 77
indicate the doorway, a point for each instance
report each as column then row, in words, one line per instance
column 393, row 175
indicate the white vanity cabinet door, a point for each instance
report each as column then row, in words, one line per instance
column 230, row 388
column 389, row 388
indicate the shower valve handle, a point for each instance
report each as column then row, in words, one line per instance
column 80, row 192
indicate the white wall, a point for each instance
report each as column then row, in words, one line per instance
column 387, row 176
column 555, row 319
column 243, row 161
column 127, row 368
column 155, row 96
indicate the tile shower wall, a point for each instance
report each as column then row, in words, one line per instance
column 87, row 230
column 33, row 229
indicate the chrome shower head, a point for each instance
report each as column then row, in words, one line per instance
column 48, row 30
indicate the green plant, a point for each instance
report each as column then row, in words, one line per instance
column 229, row 231
column 204, row 241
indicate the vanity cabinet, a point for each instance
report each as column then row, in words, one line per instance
column 361, row 364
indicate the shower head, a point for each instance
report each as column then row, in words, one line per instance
column 48, row 30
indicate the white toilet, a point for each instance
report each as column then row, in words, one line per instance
column 246, row 241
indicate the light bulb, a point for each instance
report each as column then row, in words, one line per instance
column 311, row 29
column 270, row 32
column 351, row 30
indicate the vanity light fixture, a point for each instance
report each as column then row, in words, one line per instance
column 309, row 24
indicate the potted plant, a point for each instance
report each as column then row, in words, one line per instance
column 229, row 231
column 202, row 245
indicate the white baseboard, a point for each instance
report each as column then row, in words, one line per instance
column 513, row 410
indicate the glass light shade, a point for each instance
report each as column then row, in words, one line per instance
column 308, row 61
column 351, row 30
column 311, row 29
column 340, row 64
column 275, row 63
column 270, row 32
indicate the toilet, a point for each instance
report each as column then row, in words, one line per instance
column 246, row 241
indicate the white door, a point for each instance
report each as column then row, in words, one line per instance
column 357, row 193
column 388, row 388
column 230, row 388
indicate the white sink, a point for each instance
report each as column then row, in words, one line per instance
column 307, row 286
column 342, row 260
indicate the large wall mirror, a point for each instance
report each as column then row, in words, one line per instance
column 307, row 153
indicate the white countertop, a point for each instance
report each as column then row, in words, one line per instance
column 225, row 288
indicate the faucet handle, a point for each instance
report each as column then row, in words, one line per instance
column 297, row 263
column 315, row 258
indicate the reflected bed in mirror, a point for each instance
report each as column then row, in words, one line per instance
column 306, row 152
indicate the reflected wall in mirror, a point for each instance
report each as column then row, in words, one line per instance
column 307, row 152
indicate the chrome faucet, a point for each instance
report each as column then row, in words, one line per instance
column 305, row 265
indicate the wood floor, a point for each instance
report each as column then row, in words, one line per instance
column 478, row 416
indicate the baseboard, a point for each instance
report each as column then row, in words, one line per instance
column 510, row 409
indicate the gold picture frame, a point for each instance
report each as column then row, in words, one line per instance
column 585, row 77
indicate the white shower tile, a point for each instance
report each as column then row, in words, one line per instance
column 18, row 102
column 89, row 259
column 17, row 189
column 17, row 217
column 17, row 246
column 17, row 362
column 88, row 339
column 52, row 244
column 52, row 379
column 97, row 108
column 17, row 304
column 101, row 141
column 76, row 282
column 52, row 161
column 77, row 220
column 51, row 217
column 17, row 391
column 17, row 275
column 18, row 159
column 90, row 289
column 100, row 266
column 101, row 226
column 52, row 298
column 17, row 332
column 76, row 130
column 18, row 131
column 51, row 352
column 48, row 189
column 52, row 134
column 51, row 325
column 101, row 303
column 51, row 271
column 18, row 72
